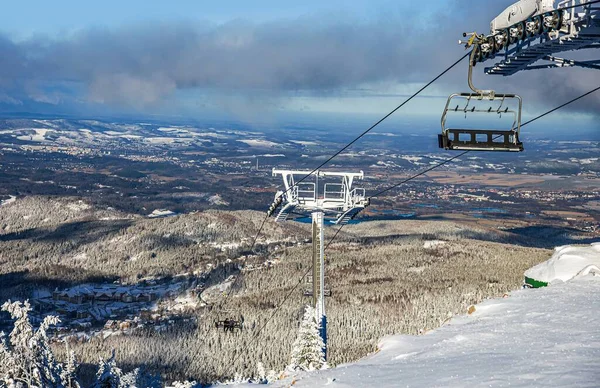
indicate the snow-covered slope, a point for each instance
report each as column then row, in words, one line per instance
column 567, row 263
column 536, row 337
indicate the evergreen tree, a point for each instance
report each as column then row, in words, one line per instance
column 307, row 351
column 111, row 376
column 69, row 369
column 26, row 360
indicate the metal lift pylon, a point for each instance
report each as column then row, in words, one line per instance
column 339, row 203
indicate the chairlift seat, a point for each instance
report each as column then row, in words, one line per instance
column 229, row 324
column 480, row 140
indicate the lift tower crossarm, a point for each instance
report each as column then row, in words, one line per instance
column 339, row 201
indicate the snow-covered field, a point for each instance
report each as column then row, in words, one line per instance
column 535, row 337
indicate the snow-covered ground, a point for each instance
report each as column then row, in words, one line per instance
column 535, row 337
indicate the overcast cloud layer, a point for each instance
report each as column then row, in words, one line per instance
column 142, row 66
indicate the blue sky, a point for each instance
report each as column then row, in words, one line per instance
column 29, row 16
column 248, row 60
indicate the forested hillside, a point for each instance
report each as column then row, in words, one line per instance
column 386, row 277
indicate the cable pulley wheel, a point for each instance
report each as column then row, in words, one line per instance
column 557, row 19
column 493, row 48
column 505, row 39
column 512, row 39
column 522, row 30
column 539, row 24
column 529, row 32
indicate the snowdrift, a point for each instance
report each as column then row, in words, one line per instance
column 566, row 263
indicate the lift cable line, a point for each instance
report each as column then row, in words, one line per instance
column 254, row 240
column 289, row 294
column 557, row 31
column 563, row 105
column 363, row 134
column 382, row 119
column 232, row 286
column 513, row 34
column 378, row 194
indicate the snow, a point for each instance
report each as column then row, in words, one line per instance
column 272, row 156
column 11, row 199
column 40, row 135
column 159, row 213
column 433, row 244
column 259, row 143
column 304, row 143
column 413, row 159
column 388, row 134
column 217, row 200
column 213, row 293
column 566, row 263
column 225, row 246
column 534, row 337
column 78, row 206
column 160, row 140
column 183, row 302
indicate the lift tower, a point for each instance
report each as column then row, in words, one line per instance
column 338, row 204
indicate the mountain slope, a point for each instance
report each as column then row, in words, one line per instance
column 547, row 336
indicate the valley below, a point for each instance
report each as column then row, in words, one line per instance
column 143, row 238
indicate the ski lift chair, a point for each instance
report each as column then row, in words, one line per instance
column 481, row 139
column 229, row 324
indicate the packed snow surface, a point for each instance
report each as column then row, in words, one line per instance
column 566, row 263
column 536, row 337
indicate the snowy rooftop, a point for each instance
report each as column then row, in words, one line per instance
column 536, row 337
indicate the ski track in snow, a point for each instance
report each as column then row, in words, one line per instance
column 536, row 337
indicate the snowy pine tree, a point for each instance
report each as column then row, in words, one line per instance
column 68, row 372
column 26, row 359
column 307, row 351
column 111, row 376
